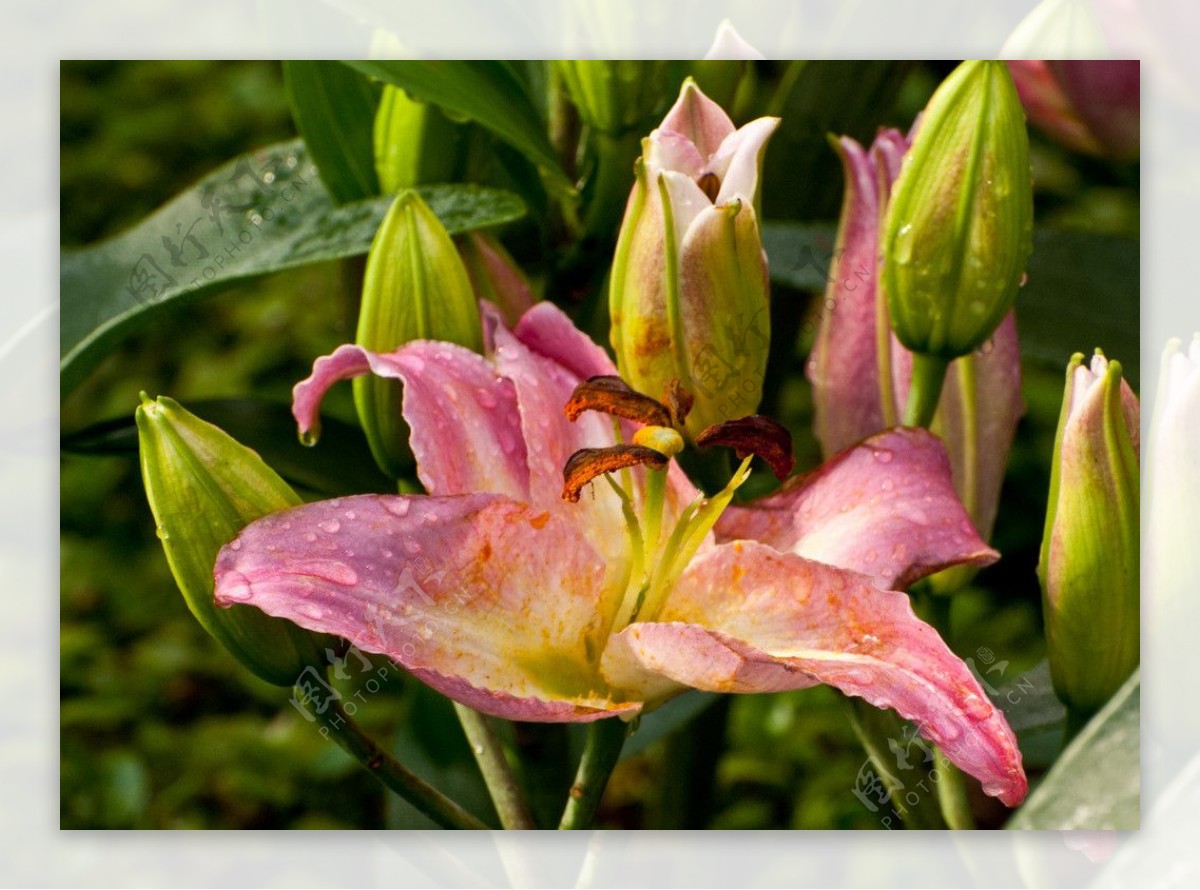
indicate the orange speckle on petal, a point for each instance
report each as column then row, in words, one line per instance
column 540, row 520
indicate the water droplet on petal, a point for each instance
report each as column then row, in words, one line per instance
column 351, row 515
column 310, row 537
column 330, row 525
column 312, row 610
column 397, row 507
column 886, row 485
column 975, row 707
column 430, row 518
column 883, row 455
column 236, row 545
column 412, row 546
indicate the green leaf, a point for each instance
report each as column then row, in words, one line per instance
column 334, row 110
column 1035, row 714
column 1083, row 292
column 488, row 92
column 340, row 465
column 261, row 213
column 1096, row 783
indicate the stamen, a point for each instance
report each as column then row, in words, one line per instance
column 612, row 395
column 710, row 184
column 756, row 435
column 587, row 463
column 662, row 439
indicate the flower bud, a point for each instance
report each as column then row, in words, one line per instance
column 495, row 276
column 959, row 225
column 415, row 143
column 1087, row 105
column 1089, row 566
column 204, row 487
column 688, row 293
column 415, row 288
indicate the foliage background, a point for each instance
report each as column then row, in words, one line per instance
column 161, row 729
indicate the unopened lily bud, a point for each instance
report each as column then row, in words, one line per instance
column 415, row 288
column 204, row 487
column 688, row 293
column 415, row 143
column 617, row 97
column 959, row 225
column 495, row 276
column 1089, row 566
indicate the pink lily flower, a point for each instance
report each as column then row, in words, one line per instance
column 500, row 593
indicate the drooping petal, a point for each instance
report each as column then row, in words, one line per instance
column 494, row 603
column 746, row 618
column 466, row 433
column 885, row 508
column 698, row 119
column 739, row 159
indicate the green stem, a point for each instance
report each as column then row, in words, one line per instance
column 388, row 771
column 605, row 738
column 952, row 795
column 928, row 375
column 690, row 766
column 501, row 783
column 875, row 728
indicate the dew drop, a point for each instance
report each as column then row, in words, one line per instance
column 886, row 485
column 412, row 546
column 415, row 363
column 236, row 588
column 1024, row 279
column 310, row 537
column 236, row 545
column 312, row 610
column 331, row 525
column 397, row 507
column 430, row 519
column 351, row 515
column 883, row 455
column 485, row 398
column 165, row 535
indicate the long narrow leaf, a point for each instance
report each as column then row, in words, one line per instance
column 334, row 110
column 263, row 212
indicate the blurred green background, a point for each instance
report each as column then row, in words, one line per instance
column 161, row 729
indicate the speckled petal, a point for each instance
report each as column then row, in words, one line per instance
column 885, row 508
column 747, row 618
column 466, row 434
column 493, row 603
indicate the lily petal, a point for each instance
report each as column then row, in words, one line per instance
column 698, row 119
column 746, row 618
column 494, row 603
column 885, row 508
column 739, row 159
column 665, row 150
column 447, row 389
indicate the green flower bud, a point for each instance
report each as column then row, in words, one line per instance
column 415, row 143
column 959, row 224
column 688, row 293
column 618, row 97
column 415, row 288
column 204, row 487
column 1089, row 566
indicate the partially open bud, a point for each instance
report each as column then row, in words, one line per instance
column 415, row 288
column 688, row 292
column 204, row 487
column 960, row 221
column 1089, row 566
column 415, row 143
column 495, row 276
